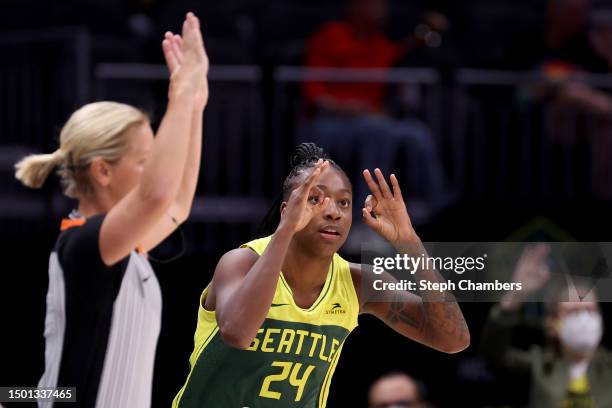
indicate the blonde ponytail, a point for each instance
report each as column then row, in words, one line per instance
column 34, row 169
column 94, row 130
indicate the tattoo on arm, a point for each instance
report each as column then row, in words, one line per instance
column 403, row 312
column 445, row 321
column 438, row 322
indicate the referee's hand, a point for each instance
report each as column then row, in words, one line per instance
column 187, row 60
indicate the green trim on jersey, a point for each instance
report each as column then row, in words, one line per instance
column 291, row 360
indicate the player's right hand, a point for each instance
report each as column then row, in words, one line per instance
column 305, row 202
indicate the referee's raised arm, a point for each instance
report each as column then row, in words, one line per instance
column 162, row 173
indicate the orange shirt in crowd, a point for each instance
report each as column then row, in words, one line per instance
column 337, row 45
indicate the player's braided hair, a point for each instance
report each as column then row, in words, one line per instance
column 304, row 156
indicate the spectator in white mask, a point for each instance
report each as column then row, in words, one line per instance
column 571, row 370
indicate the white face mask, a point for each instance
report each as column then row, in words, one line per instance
column 581, row 331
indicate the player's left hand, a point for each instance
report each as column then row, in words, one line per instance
column 385, row 211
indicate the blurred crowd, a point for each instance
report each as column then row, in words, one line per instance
column 373, row 124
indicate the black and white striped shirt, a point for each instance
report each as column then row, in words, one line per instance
column 102, row 323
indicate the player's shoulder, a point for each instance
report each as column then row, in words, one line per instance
column 232, row 266
column 257, row 245
column 235, row 263
column 238, row 261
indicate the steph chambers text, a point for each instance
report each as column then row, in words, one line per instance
column 462, row 285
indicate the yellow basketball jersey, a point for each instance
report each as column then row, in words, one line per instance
column 291, row 360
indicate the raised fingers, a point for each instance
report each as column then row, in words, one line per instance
column 177, row 47
column 193, row 19
column 372, row 185
column 315, row 174
column 196, row 24
column 169, row 54
column 192, row 37
column 384, row 187
column 320, row 206
column 397, row 191
column 188, row 34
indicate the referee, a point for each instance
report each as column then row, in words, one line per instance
column 104, row 302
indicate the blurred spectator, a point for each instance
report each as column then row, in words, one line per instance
column 350, row 117
column 396, row 390
column 571, row 370
column 566, row 47
column 563, row 40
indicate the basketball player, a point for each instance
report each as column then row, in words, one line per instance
column 104, row 302
column 272, row 322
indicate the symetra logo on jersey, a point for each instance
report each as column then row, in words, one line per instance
column 336, row 309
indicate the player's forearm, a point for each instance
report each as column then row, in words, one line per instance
column 248, row 306
column 444, row 326
column 186, row 193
